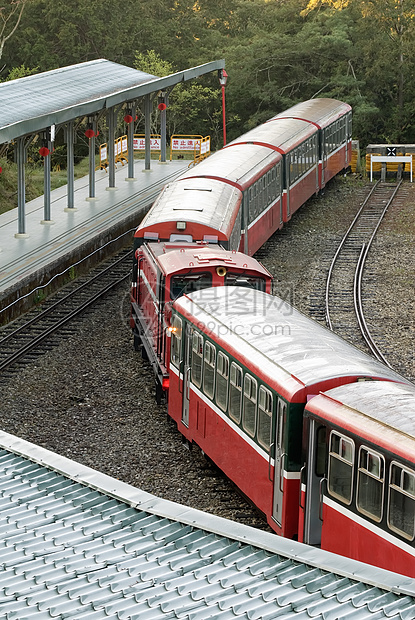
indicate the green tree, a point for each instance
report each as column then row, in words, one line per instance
column 194, row 107
column 10, row 16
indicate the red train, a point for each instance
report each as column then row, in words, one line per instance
column 317, row 434
column 234, row 200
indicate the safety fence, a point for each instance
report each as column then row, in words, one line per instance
column 198, row 146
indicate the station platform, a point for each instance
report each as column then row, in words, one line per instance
column 30, row 261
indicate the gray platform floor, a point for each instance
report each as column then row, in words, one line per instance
column 45, row 243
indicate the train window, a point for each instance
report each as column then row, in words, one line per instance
column 249, row 405
column 235, row 392
column 370, row 484
column 340, row 475
column 242, row 279
column 187, row 283
column 264, row 417
column 401, row 517
column 209, row 370
column 222, row 373
column 176, row 341
column 197, row 355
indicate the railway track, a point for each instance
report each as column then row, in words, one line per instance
column 343, row 295
column 42, row 328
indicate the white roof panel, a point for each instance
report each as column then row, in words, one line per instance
column 392, row 404
column 240, row 165
column 205, row 201
column 278, row 339
column 283, row 135
column 320, row 111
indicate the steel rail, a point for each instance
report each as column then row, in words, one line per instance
column 62, row 300
column 342, row 242
column 61, row 321
column 357, row 286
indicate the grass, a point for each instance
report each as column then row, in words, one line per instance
column 34, row 181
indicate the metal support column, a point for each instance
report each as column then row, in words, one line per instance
column 130, row 145
column 69, row 131
column 46, row 186
column 92, row 125
column 112, row 123
column 21, row 189
column 163, row 126
column 147, row 151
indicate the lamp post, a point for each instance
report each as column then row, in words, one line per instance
column 223, row 78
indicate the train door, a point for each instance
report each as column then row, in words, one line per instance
column 287, row 181
column 279, row 462
column 324, row 149
column 316, row 463
column 187, row 361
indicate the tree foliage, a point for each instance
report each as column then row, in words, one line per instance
column 277, row 53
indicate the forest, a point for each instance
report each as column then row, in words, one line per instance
column 277, row 52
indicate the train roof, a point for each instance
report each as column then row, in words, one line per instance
column 207, row 202
column 283, row 135
column 173, row 259
column 280, row 343
column 322, row 112
column 241, row 165
column 78, row 544
column 381, row 411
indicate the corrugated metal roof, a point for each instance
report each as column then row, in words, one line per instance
column 75, row 543
column 32, row 103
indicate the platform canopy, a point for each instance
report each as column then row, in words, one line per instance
column 31, row 104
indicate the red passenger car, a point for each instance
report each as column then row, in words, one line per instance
column 243, row 193
column 243, row 366
column 358, row 478
column 167, row 270
column 333, row 120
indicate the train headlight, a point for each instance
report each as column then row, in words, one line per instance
column 181, row 225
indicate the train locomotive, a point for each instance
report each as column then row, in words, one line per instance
column 231, row 202
column 314, row 432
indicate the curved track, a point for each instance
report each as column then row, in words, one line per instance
column 343, row 297
column 30, row 335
